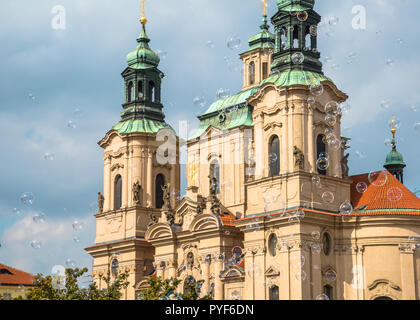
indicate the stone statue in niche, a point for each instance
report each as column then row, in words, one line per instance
column 190, row 260
column 137, row 193
column 166, row 197
column 213, row 186
column 345, row 166
column 299, row 158
column 101, row 201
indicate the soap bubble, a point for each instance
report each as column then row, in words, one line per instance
column 39, row 217
column 333, row 21
column 70, row 263
column 234, row 43
column 210, row 44
column 17, row 211
column 298, row 58
column 316, row 89
column 49, row 156
column 394, row 194
column 323, row 164
column 346, row 207
column 315, row 248
column 77, row 225
column 302, row 16
column 322, row 297
column 331, row 276
column 199, row 101
column 27, row 198
column 378, row 178
column 328, row 197
column 71, row 124
column 36, row 244
column 58, row 282
column 162, row 54
column 316, row 235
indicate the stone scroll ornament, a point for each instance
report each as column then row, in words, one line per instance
column 101, row 201
column 299, row 158
column 137, row 193
column 153, row 220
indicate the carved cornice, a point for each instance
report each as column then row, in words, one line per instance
column 406, row 248
column 387, row 282
column 117, row 166
column 272, row 126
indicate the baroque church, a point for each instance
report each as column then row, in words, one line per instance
column 270, row 211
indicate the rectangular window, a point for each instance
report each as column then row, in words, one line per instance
column 265, row 70
column 7, row 296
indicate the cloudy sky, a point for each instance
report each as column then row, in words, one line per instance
column 52, row 76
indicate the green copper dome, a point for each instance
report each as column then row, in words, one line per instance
column 295, row 5
column 394, row 158
column 264, row 39
column 143, row 57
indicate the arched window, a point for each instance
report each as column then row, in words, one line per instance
column 117, row 192
column 272, row 244
column 130, row 92
column 321, row 148
column 160, row 182
column 251, row 73
column 265, row 70
column 152, row 91
column 215, row 172
column 383, row 298
column 326, row 244
column 273, row 293
column 296, row 43
column 274, row 156
column 140, row 89
column 283, row 39
column 328, row 291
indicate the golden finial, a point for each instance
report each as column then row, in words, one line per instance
column 393, row 130
column 143, row 19
column 265, row 5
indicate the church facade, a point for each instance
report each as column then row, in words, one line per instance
column 270, row 211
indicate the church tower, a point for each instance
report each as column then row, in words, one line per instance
column 394, row 160
column 140, row 170
column 300, row 167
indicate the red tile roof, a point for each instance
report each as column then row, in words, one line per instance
column 390, row 198
column 227, row 220
column 12, row 276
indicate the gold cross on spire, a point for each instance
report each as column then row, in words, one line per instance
column 143, row 19
column 265, row 5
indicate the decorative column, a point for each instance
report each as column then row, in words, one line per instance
column 171, row 268
column 205, row 267
column 218, row 285
column 259, row 145
column 149, row 178
column 311, row 142
column 408, row 279
column 107, row 184
column 173, row 185
column 126, row 186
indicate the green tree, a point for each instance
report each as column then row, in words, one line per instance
column 46, row 288
column 160, row 289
